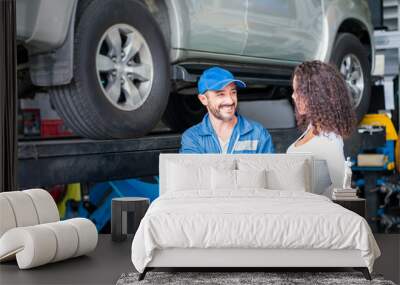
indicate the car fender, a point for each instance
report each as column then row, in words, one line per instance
column 56, row 66
column 43, row 24
column 336, row 12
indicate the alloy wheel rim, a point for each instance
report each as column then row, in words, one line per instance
column 124, row 67
column 352, row 72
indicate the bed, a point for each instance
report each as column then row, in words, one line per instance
column 248, row 211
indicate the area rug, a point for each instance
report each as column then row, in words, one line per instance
column 243, row 278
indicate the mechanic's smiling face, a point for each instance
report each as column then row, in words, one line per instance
column 221, row 104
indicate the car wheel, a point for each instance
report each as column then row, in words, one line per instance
column 121, row 72
column 183, row 111
column 351, row 58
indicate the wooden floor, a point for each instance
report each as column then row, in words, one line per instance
column 110, row 259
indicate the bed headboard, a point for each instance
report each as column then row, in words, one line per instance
column 317, row 179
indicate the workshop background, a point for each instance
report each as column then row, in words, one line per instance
column 39, row 149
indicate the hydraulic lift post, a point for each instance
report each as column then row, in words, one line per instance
column 8, row 96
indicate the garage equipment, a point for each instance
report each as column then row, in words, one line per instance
column 378, row 143
column 97, row 205
column 8, row 97
column 374, row 164
column 389, row 212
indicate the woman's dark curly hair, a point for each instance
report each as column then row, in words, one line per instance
column 326, row 98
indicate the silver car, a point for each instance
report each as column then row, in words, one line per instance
column 114, row 68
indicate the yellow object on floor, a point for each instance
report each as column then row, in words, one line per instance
column 397, row 154
column 392, row 160
column 73, row 193
column 381, row 120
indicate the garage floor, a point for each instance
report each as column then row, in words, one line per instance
column 106, row 264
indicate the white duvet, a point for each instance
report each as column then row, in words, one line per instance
column 250, row 219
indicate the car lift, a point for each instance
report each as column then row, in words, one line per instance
column 46, row 163
column 115, row 165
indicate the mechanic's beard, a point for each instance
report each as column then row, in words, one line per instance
column 217, row 113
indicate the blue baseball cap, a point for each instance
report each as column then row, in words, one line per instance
column 216, row 78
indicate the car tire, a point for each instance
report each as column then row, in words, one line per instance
column 348, row 46
column 183, row 111
column 100, row 102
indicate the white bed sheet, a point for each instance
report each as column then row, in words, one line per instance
column 252, row 218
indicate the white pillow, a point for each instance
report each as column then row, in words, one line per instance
column 293, row 180
column 251, row 178
column 223, row 179
column 283, row 173
column 230, row 180
column 187, row 176
column 181, row 177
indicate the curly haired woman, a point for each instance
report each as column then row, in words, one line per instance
column 323, row 107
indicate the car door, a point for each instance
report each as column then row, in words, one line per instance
column 289, row 30
column 217, row 26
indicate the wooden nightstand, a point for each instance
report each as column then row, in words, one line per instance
column 357, row 206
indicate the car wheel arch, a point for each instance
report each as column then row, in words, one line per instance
column 159, row 10
column 358, row 29
column 63, row 57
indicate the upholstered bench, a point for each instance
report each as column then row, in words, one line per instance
column 31, row 231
